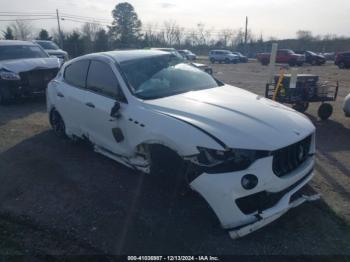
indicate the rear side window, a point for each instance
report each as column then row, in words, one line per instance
column 101, row 79
column 75, row 73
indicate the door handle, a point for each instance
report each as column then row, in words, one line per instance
column 89, row 104
column 60, row 94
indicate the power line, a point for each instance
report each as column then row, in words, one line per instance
column 25, row 19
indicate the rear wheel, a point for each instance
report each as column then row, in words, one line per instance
column 227, row 61
column 57, row 124
column 5, row 96
column 325, row 111
column 341, row 65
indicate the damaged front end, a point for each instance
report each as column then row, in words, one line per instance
column 248, row 189
column 28, row 83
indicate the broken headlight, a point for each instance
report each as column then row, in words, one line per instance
column 6, row 75
column 217, row 161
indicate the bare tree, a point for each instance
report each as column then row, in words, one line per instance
column 173, row 34
column 304, row 35
column 22, row 30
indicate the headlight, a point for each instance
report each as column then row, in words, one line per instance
column 217, row 161
column 9, row 76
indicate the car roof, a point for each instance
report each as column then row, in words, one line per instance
column 125, row 55
column 15, row 42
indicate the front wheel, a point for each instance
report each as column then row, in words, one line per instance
column 212, row 60
column 57, row 124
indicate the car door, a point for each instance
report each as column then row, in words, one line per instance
column 103, row 91
column 70, row 95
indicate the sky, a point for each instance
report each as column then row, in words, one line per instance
column 271, row 18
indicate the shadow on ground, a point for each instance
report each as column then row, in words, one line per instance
column 21, row 108
column 62, row 198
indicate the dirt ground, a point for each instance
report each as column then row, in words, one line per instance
column 61, row 198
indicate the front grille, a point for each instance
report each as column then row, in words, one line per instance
column 38, row 79
column 263, row 200
column 287, row 159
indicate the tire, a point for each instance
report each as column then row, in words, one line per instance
column 301, row 106
column 227, row 61
column 168, row 169
column 5, row 96
column 292, row 63
column 212, row 60
column 341, row 65
column 164, row 161
column 314, row 62
column 57, row 124
column 265, row 62
column 325, row 111
column 235, row 62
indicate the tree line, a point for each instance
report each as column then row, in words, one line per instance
column 127, row 32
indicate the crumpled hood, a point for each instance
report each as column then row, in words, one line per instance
column 23, row 65
column 238, row 118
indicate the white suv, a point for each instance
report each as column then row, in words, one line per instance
column 246, row 155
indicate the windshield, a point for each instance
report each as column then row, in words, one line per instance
column 21, row 51
column 48, row 45
column 165, row 75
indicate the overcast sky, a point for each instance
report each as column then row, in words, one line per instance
column 277, row 18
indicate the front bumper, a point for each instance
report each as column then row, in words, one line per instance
column 222, row 191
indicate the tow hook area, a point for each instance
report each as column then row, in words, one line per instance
column 269, row 215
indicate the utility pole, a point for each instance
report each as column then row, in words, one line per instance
column 59, row 28
column 246, row 36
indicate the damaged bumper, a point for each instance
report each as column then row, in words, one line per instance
column 242, row 211
column 270, row 215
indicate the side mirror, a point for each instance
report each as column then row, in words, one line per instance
column 115, row 110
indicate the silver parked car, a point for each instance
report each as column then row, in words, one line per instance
column 187, row 54
column 223, row 56
column 52, row 49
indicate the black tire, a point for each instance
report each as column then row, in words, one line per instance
column 57, row 124
column 227, row 61
column 212, row 60
column 5, row 96
column 292, row 63
column 301, row 106
column 235, row 61
column 341, row 65
column 314, row 62
column 265, row 62
column 164, row 161
column 325, row 111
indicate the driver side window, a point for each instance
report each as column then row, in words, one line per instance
column 102, row 80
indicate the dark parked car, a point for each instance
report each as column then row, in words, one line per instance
column 312, row 58
column 25, row 69
column 242, row 58
column 342, row 60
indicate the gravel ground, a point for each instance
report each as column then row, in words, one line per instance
column 60, row 198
